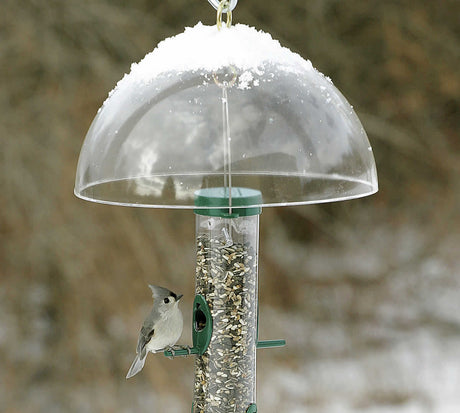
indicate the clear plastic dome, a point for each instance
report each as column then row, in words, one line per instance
column 228, row 108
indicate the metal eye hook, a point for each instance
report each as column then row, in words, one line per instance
column 225, row 84
column 224, row 5
column 216, row 3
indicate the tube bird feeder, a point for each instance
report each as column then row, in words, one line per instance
column 225, row 121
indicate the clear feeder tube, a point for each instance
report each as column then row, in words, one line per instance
column 226, row 276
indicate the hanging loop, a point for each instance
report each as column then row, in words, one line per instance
column 226, row 81
column 216, row 4
column 224, row 5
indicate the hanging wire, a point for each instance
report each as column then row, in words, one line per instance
column 225, row 83
column 227, row 146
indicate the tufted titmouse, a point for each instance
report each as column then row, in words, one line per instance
column 161, row 329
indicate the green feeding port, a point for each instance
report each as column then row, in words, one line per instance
column 202, row 324
column 202, row 332
column 252, row 408
column 215, row 202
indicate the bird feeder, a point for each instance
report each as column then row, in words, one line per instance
column 224, row 121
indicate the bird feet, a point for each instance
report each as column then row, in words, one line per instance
column 172, row 351
column 189, row 350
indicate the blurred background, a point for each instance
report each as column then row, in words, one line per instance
column 366, row 292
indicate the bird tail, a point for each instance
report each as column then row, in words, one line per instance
column 137, row 365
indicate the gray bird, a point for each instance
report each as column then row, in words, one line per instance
column 161, row 329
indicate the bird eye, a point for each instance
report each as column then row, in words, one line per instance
column 166, row 300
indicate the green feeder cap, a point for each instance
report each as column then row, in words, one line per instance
column 215, row 202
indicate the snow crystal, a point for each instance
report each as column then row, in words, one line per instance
column 245, row 79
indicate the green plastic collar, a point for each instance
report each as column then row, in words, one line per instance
column 209, row 200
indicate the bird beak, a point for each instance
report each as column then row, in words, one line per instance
column 179, row 297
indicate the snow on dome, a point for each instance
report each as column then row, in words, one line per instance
column 208, row 49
